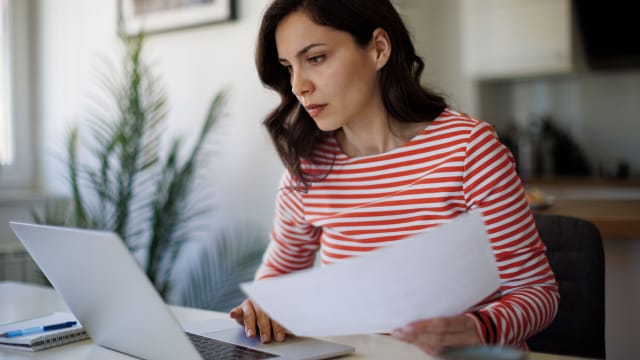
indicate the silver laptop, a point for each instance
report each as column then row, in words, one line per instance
column 106, row 290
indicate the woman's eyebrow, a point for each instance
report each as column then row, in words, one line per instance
column 303, row 51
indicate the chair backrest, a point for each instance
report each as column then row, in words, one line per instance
column 576, row 255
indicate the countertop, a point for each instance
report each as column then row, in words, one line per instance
column 612, row 205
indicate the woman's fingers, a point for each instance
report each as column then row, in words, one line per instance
column 443, row 325
column 257, row 321
column 237, row 315
column 279, row 332
column 434, row 335
column 264, row 324
column 249, row 318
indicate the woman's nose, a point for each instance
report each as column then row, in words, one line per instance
column 300, row 84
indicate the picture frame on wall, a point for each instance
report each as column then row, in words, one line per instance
column 155, row 16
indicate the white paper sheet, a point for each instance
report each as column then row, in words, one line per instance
column 440, row 272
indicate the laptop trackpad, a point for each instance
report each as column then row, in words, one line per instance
column 293, row 347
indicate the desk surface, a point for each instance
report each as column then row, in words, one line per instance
column 21, row 301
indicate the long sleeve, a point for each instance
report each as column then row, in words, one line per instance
column 528, row 297
column 294, row 242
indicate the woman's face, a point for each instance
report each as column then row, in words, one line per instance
column 332, row 77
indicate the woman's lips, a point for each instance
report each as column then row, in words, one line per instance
column 315, row 110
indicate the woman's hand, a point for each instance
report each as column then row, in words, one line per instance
column 434, row 335
column 254, row 319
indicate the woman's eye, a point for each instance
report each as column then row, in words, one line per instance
column 316, row 59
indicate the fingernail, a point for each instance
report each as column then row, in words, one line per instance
column 249, row 332
column 280, row 336
column 265, row 338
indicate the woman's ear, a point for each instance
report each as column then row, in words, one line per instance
column 381, row 46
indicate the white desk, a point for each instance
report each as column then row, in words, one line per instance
column 20, row 301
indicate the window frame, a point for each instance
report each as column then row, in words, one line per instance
column 6, row 125
column 20, row 174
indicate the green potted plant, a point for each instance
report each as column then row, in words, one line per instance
column 125, row 186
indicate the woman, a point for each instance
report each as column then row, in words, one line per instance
column 373, row 157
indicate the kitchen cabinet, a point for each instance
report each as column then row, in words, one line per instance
column 515, row 38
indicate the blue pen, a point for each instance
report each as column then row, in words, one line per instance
column 38, row 329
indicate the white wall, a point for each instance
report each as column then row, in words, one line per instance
column 193, row 64
column 436, row 29
column 622, row 296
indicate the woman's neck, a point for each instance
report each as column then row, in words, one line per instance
column 376, row 136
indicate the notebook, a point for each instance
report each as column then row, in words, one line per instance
column 43, row 340
column 119, row 308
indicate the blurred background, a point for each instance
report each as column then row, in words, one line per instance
column 559, row 80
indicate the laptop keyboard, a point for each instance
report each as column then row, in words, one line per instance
column 213, row 349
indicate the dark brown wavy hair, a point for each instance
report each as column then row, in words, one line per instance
column 292, row 130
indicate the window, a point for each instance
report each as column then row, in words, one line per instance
column 6, row 132
column 17, row 130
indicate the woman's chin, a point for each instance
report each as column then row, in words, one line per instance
column 327, row 126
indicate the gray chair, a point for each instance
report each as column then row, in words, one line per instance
column 575, row 253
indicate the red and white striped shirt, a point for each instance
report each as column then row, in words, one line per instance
column 454, row 165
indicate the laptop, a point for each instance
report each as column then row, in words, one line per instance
column 113, row 299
